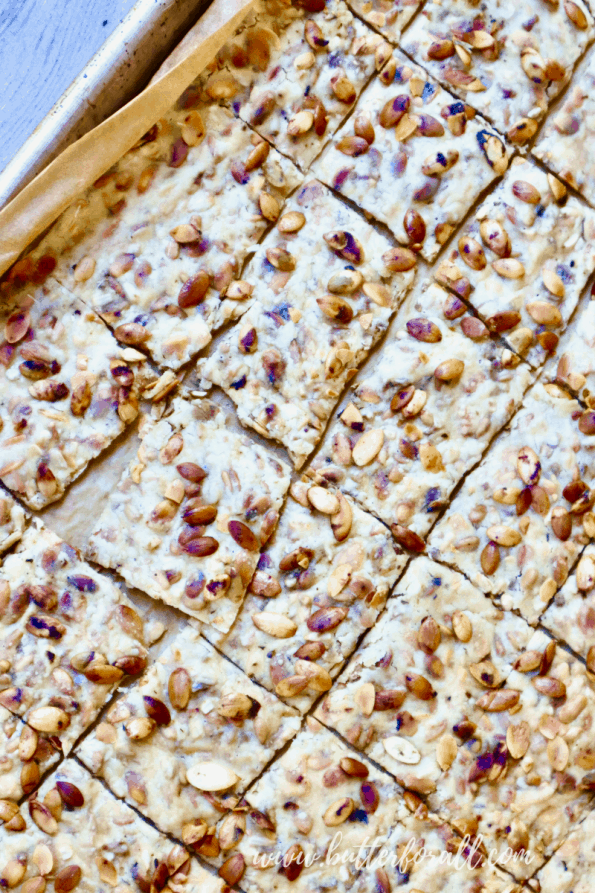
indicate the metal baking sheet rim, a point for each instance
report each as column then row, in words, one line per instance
column 120, row 68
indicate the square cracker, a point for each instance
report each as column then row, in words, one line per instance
column 154, row 244
column 66, row 391
column 286, row 363
column 571, row 615
column 185, row 742
column 525, row 259
column 413, row 156
column 77, row 832
column 321, row 582
column 515, row 526
column 402, row 463
column 571, row 867
column 507, row 58
column 188, row 519
column 67, row 633
column 294, row 71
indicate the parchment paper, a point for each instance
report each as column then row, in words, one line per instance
column 50, row 193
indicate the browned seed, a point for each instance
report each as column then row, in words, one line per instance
column 548, row 685
column 449, row 370
column 179, row 688
column 504, row 321
column 474, row 328
column 354, row 768
column 194, row 290
column 30, row 776
column 499, row 700
column 440, row 49
column 462, row 627
column 71, row 796
column 243, row 536
column 419, row 686
column 233, row 869
column 265, row 585
column 586, row 422
column 414, row 226
column 17, row 326
column 428, row 635
column 399, row 260
column 389, row 699
column 547, row 658
column 576, row 15
column 67, row 879
column 591, row 659
column 336, row 308
column 362, row 127
column 393, row 110
column 523, row 501
column 281, row 259
column 292, row 863
column 235, row 705
column 131, row 333
column 291, row 222
column 495, row 237
column 42, row 817
column 423, row 329
column 157, row 710
column 518, row 739
column 402, row 398
column 191, row 472
column 257, row 156
column 561, row 523
column 353, row 146
column 472, row 253
column 343, row 89
column 490, row 559
column 326, row 619
column 199, row 546
column 310, row 651
column 291, row 686
column 269, row 206
column 407, row 538
column 103, row 674
column 197, row 515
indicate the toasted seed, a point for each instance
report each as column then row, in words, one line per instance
column 343, row 89
column 67, row 879
column 526, row 192
column 292, row 863
column 336, row 309
column 194, row 290
column 191, row 472
column 276, row 625
column 71, row 796
column 441, row 49
column 269, row 206
column 199, row 515
column 518, row 739
column 393, row 110
column 485, row 673
column 495, row 237
column 586, row 422
column 353, row 146
column 300, row 123
column 490, row 559
column 472, row 253
column 318, row 678
column 407, row 538
column 325, row 619
column 342, row 519
column 402, row 398
column 499, row 700
column 446, row 752
column 449, row 370
column 338, row 812
column 291, row 222
column 264, row 584
column 157, row 710
column 257, row 156
column 423, row 329
column 494, row 151
column 509, row 268
column 585, row 573
column 504, row 321
column 561, row 521
column 385, row 699
column 345, row 245
column 548, row 685
column 362, row 127
column 243, row 536
column 310, row 651
column 553, row 283
column 544, row 313
column 179, row 688
column 576, row 15
column 13, row 872
column 235, row 705
column 462, row 627
column 103, row 674
column 399, row 260
column 34, row 885
column 49, row 719
column 30, row 776
column 590, row 660
column 210, row 775
column 281, row 259
column 439, row 163
column 503, row 535
column 139, row 727
column 419, row 686
column 42, row 817
column 428, row 635
column 415, row 227
column 528, row 465
column 17, row 326
column 345, row 282
column 239, row 290
column 185, row 234
column 233, row 869
column 291, row 686
column 323, row 500
column 401, row 750
column 28, row 742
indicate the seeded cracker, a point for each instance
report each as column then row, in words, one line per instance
column 155, row 243
column 321, row 801
column 66, row 391
column 423, row 415
column 515, row 526
column 67, row 635
column 324, row 294
column 509, row 59
column 407, row 697
column 525, row 259
column 565, row 144
column 187, row 521
column 294, row 72
column 24, row 755
column 570, row 869
column 572, row 367
column 78, row 836
column 188, row 739
column 413, row 156
column 571, row 615
column 320, row 584
column 12, row 522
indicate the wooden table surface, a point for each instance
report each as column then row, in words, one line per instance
column 44, row 45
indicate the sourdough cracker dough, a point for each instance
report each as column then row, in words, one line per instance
column 321, row 582
column 512, row 528
column 78, row 835
column 323, row 297
column 184, row 743
column 403, row 437
column 188, row 519
column 508, row 59
column 413, row 156
column 68, row 635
